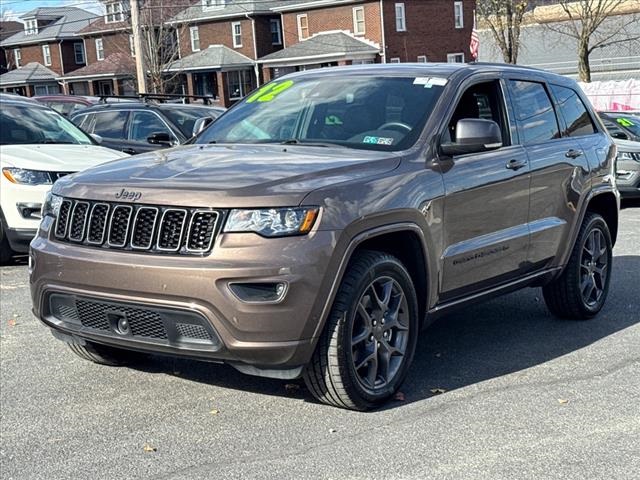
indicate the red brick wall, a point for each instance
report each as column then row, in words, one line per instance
column 430, row 30
column 218, row 33
column 334, row 18
column 263, row 35
column 117, row 42
column 69, row 56
column 33, row 53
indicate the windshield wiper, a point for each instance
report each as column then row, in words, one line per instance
column 295, row 141
column 49, row 141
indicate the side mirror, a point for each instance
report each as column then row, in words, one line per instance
column 96, row 137
column 620, row 135
column 474, row 135
column 200, row 124
column 160, row 138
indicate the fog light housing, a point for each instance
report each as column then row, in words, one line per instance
column 259, row 292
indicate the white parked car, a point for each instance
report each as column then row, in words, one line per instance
column 37, row 146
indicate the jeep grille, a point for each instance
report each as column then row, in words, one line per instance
column 150, row 228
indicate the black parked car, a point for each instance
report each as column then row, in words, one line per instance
column 138, row 127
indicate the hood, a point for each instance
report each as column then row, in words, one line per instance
column 57, row 158
column 227, row 175
column 627, row 145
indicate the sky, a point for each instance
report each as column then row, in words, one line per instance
column 12, row 9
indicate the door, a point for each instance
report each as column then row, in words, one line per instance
column 110, row 125
column 559, row 168
column 486, row 202
column 142, row 126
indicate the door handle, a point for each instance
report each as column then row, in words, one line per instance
column 573, row 153
column 130, row 151
column 515, row 164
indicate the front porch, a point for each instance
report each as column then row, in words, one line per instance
column 217, row 72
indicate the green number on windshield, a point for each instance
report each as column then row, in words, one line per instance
column 269, row 92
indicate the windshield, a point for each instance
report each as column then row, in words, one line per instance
column 185, row 118
column 629, row 122
column 25, row 124
column 384, row 113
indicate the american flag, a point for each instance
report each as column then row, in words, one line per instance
column 474, row 46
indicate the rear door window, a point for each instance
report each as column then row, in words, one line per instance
column 574, row 112
column 85, row 122
column 111, row 124
column 534, row 112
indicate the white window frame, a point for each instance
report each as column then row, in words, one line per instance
column 99, row 49
column 83, row 60
column 394, row 60
column 213, row 4
column 194, row 36
column 31, row 27
column 299, row 22
column 237, row 42
column 278, row 30
column 132, row 46
column 17, row 56
column 451, row 57
column 401, row 20
column 46, row 55
column 458, row 20
column 422, row 59
column 356, row 22
column 115, row 12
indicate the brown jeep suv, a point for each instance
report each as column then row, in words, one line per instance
column 316, row 226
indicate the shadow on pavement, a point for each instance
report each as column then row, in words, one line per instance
column 484, row 341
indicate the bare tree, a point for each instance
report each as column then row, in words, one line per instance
column 160, row 42
column 504, row 17
column 594, row 24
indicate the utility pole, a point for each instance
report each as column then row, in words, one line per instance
column 137, row 45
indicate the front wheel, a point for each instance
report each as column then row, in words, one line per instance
column 105, row 355
column 368, row 343
column 5, row 249
column 580, row 292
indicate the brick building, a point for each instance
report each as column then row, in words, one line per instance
column 7, row 29
column 402, row 31
column 47, row 39
column 220, row 40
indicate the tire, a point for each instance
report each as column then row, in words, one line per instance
column 104, row 355
column 339, row 373
column 5, row 249
column 570, row 296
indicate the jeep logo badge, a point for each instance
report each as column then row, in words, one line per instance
column 127, row 195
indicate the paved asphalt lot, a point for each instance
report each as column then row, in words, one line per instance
column 527, row 396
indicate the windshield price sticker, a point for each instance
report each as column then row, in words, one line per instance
column 378, row 140
column 269, row 92
column 429, row 82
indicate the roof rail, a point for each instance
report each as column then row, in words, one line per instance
column 144, row 97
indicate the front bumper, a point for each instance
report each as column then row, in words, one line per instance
column 267, row 336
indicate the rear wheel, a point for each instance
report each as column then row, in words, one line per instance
column 580, row 292
column 104, row 355
column 368, row 344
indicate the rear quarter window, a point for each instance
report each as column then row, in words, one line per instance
column 573, row 111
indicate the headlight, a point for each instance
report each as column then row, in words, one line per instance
column 273, row 222
column 51, row 205
column 628, row 156
column 27, row 177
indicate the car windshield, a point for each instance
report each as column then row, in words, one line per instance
column 185, row 117
column 26, row 124
column 629, row 122
column 355, row 111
